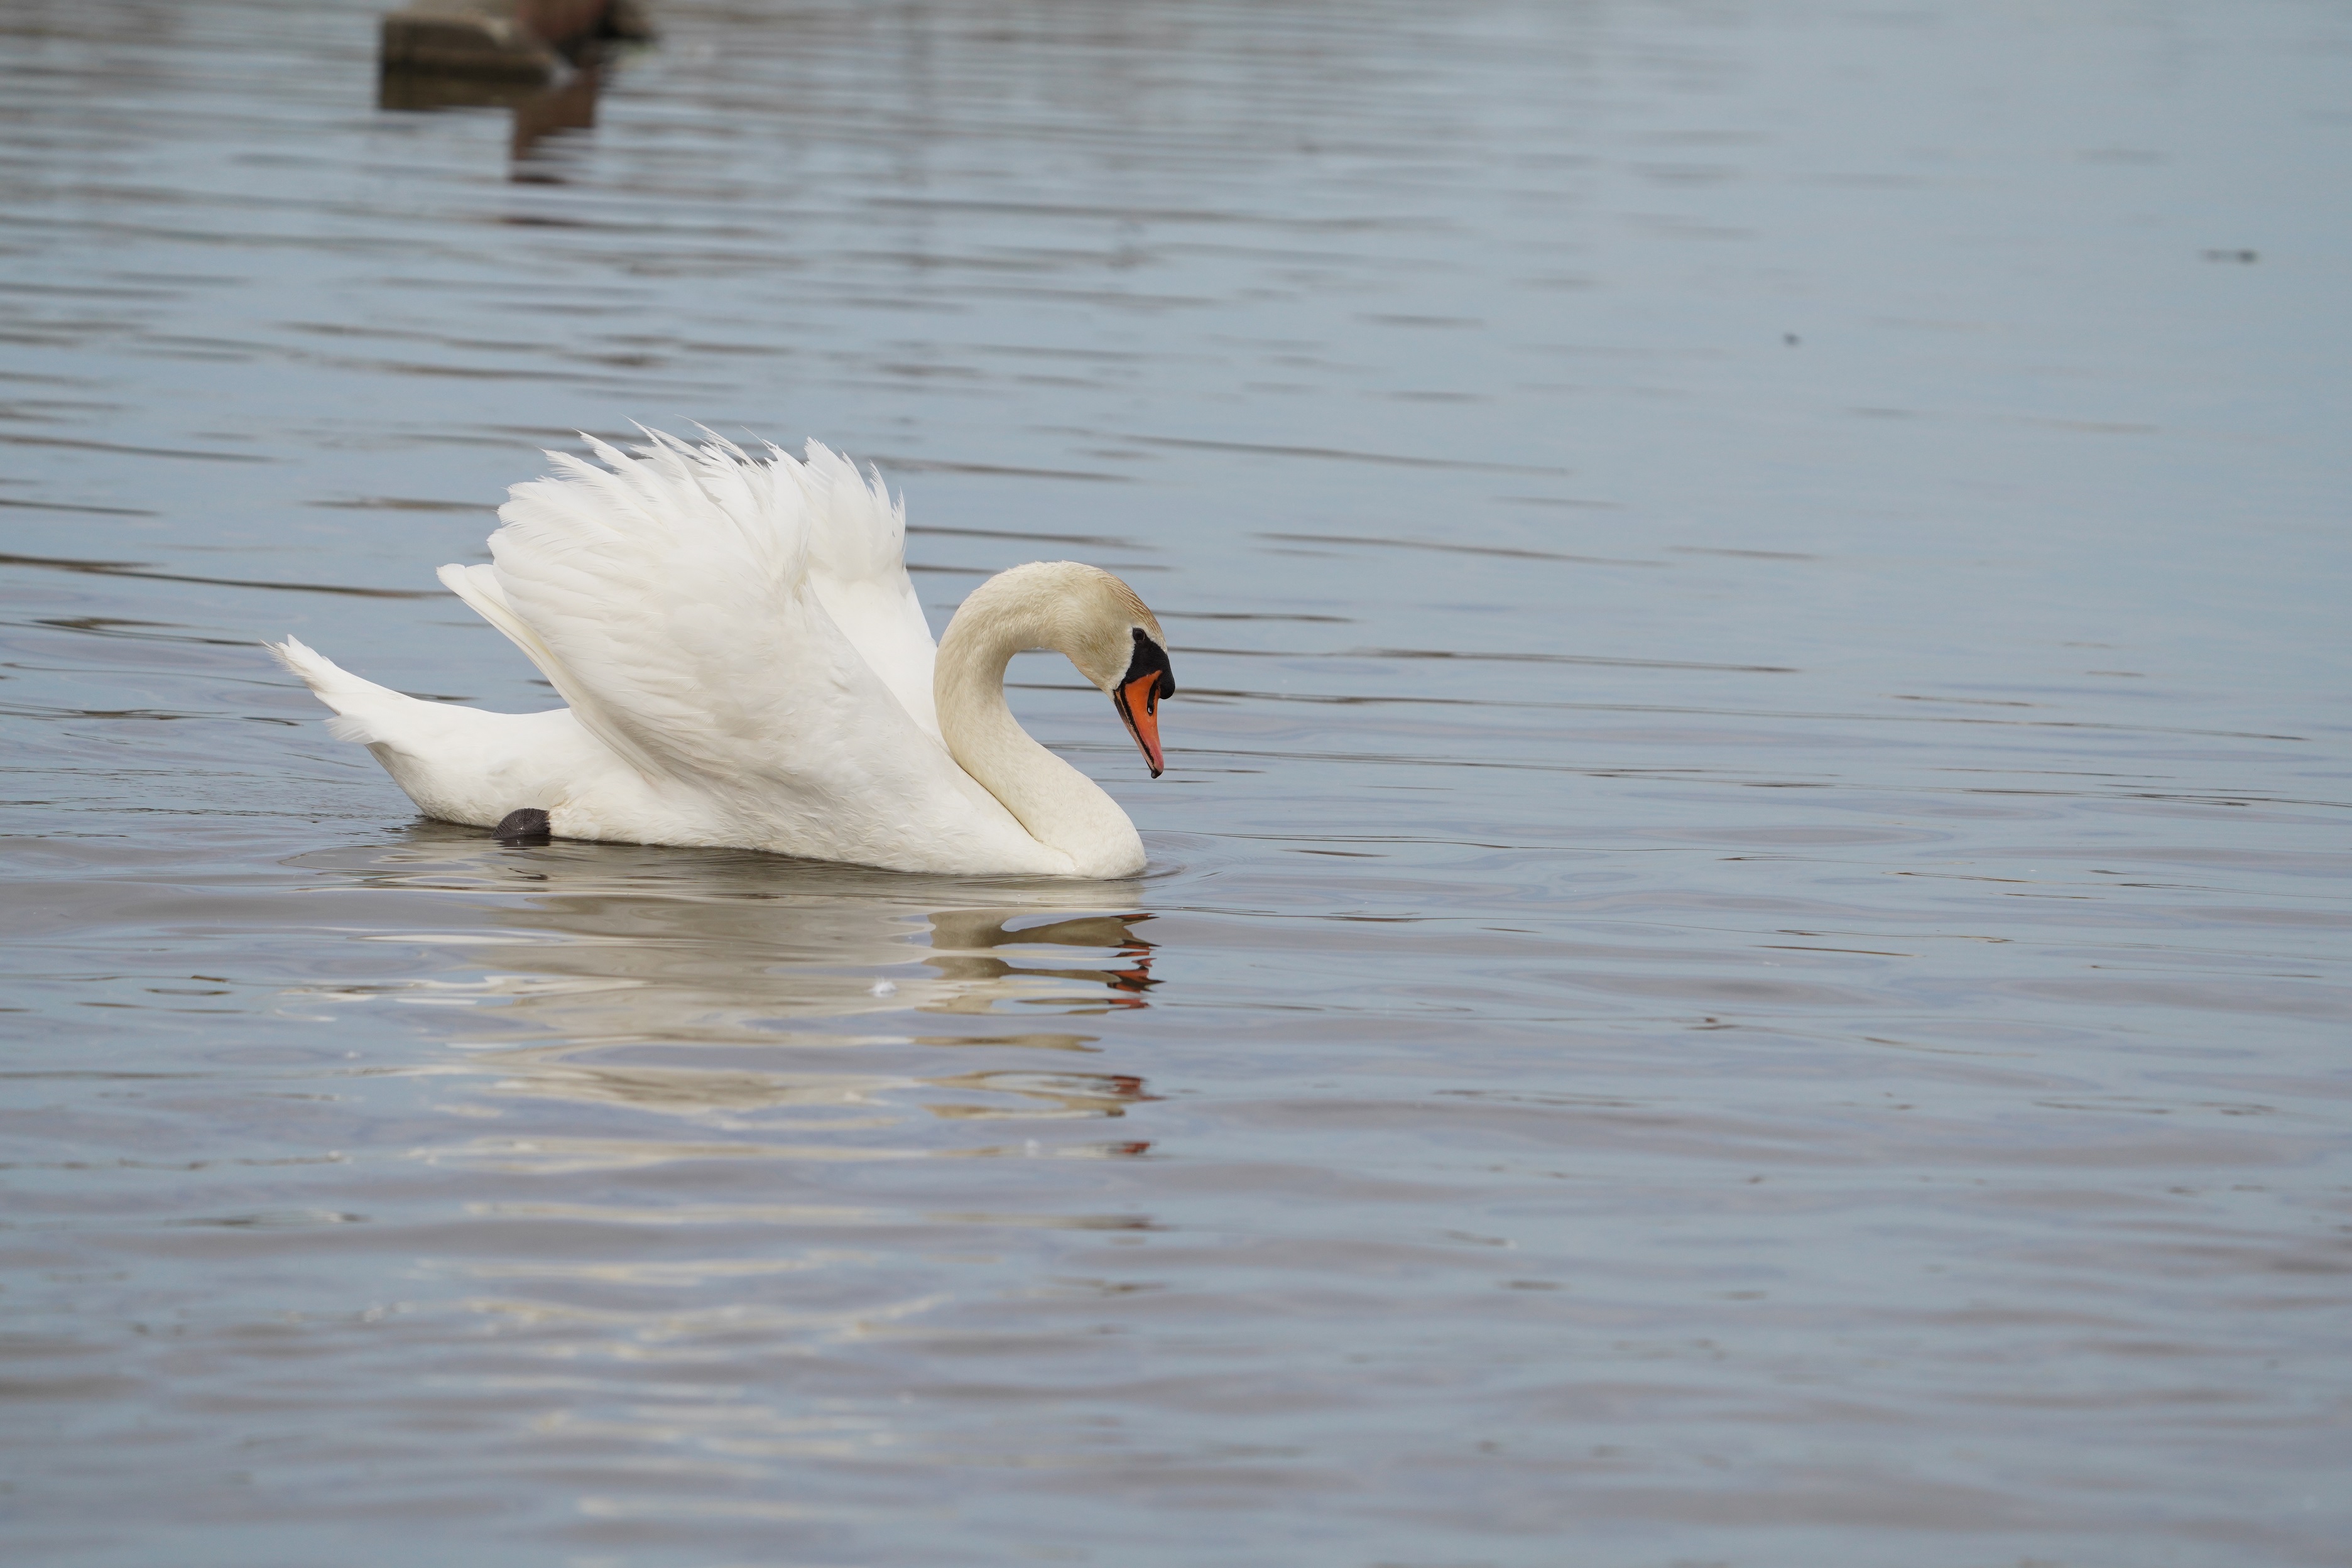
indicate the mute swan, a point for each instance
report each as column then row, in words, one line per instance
column 746, row 666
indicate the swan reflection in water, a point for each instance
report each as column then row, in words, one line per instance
column 752, row 995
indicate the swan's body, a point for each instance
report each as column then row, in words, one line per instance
column 746, row 666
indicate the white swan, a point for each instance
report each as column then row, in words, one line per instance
column 747, row 666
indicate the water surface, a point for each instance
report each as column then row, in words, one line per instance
column 1744, row 959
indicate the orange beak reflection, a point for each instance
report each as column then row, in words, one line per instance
column 1138, row 704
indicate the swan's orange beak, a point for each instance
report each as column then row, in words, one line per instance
column 1138, row 704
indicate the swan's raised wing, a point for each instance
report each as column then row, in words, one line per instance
column 670, row 598
column 858, row 564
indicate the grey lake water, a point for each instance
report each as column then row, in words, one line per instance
column 1748, row 955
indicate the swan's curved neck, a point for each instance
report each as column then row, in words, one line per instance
column 1060, row 806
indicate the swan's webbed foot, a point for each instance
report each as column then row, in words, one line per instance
column 527, row 826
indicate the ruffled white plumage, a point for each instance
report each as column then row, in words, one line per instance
column 744, row 663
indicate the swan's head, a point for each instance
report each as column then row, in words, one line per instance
column 1140, row 686
column 1096, row 620
column 1120, row 646
column 1081, row 611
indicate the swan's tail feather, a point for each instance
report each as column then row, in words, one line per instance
column 336, row 687
column 333, row 684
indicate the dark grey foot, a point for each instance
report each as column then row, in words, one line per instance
column 527, row 826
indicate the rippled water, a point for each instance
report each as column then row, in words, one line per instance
column 1746, row 953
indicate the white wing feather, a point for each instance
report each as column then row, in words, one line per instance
column 857, row 561
column 743, row 630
